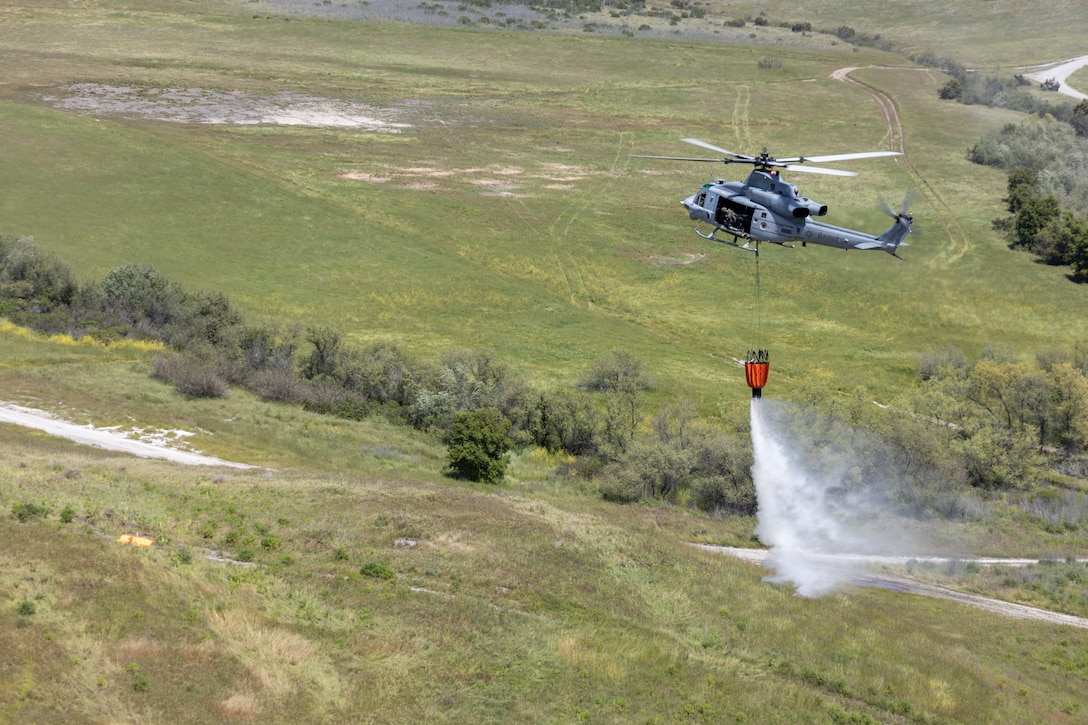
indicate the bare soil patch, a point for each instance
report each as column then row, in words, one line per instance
column 142, row 442
column 505, row 181
column 207, row 106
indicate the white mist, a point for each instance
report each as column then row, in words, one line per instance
column 807, row 515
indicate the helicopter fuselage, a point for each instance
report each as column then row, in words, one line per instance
column 766, row 208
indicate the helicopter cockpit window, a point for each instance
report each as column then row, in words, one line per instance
column 701, row 198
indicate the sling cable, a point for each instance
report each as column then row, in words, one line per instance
column 757, row 363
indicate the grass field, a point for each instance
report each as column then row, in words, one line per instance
column 361, row 585
column 511, row 208
column 529, row 606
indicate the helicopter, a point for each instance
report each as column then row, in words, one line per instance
column 767, row 208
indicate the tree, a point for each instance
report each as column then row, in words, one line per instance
column 324, row 359
column 566, row 421
column 951, row 91
column 140, row 296
column 1014, row 393
column 619, row 372
column 621, row 379
column 206, row 317
column 1000, row 458
column 1021, row 185
column 469, row 380
column 1079, row 122
column 37, row 278
column 1058, row 240
column 265, row 347
column 1078, row 260
column 479, row 445
column 650, row 469
column 1069, row 388
column 1035, row 214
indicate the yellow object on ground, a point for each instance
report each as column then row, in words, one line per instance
column 135, row 540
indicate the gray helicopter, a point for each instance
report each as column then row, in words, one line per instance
column 767, row 208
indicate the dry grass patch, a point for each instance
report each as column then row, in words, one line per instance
column 274, row 655
column 240, row 707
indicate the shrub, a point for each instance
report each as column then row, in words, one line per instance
column 951, row 91
column 565, row 421
column 141, row 297
column 325, row 357
column 34, row 276
column 844, row 32
column 621, row 372
column 265, row 347
column 195, row 374
column 377, row 570
column 26, row 608
column 205, row 317
column 277, row 384
column 618, row 485
column 26, row 511
column 479, row 445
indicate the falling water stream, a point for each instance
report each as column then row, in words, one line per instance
column 811, row 519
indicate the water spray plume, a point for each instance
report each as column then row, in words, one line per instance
column 812, row 509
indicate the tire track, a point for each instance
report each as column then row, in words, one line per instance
column 959, row 242
column 741, row 127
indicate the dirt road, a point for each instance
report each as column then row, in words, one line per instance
column 146, row 445
column 958, row 241
column 855, row 571
column 1060, row 73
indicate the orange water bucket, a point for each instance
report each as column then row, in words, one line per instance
column 757, row 367
column 756, row 374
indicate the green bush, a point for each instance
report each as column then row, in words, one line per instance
column 141, row 294
column 479, row 445
column 377, row 570
column 35, row 279
column 27, row 511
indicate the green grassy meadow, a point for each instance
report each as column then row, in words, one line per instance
column 507, row 214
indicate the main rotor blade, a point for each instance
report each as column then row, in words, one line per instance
column 711, row 147
column 841, row 157
column 678, row 158
column 817, row 170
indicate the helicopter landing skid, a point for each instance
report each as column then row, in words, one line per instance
column 735, row 243
column 748, row 245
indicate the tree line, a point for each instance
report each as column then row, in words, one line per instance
column 1011, row 92
column 1047, row 197
column 1046, row 157
column 469, row 399
column 994, row 425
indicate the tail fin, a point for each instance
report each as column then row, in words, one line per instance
column 893, row 236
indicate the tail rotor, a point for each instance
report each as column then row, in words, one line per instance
column 893, row 236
